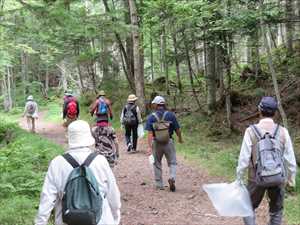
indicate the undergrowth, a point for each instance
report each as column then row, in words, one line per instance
column 24, row 160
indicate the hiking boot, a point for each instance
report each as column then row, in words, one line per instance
column 159, row 188
column 172, row 184
column 129, row 147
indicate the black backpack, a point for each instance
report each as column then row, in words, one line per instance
column 130, row 115
column 82, row 201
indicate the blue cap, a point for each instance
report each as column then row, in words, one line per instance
column 268, row 104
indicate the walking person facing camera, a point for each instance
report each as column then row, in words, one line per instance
column 161, row 126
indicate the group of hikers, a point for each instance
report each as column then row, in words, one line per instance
column 82, row 188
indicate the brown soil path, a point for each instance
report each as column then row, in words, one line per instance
column 142, row 204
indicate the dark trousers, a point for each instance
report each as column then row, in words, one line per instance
column 131, row 131
column 276, row 198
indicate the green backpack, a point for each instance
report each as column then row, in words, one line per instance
column 161, row 129
column 82, row 200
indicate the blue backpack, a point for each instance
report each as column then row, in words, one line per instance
column 102, row 107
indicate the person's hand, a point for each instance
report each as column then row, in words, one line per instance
column 180, row 140
column 149, row 151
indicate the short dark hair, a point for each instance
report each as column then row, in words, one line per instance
column 268, row 113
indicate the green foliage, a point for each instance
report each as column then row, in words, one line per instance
column 23, row 163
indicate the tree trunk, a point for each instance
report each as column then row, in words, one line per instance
column 138, row 70
column 9, row 98
column 196, row 59
column 187, row 55
column 151, row 59
column 127, row 64
column 289, row 26
column 24, row 71
column 271, row 67
column 211, row 79
column 177, row 64
column 164, row 58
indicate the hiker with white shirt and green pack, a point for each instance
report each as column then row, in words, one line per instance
column 267, row 152
column 31, row 113
column 80, row 185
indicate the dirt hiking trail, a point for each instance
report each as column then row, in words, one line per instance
column 142, row 204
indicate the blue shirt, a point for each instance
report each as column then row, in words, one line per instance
column 170, row 117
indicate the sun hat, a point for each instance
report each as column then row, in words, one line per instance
column 268, row 104
column 132, row 98
column 101, row 93
column 159, row 100
column 30, row 98
column 79, row 134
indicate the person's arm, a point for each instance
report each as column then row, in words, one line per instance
column 36, row 113
column 179, row 135
column 150, row 140
column 176, row 127
column 49, row 197
column 65, row 109
column 289, row 160
column 150, row 135
column 94, row 108
column 113, row 193
column 245, row 155
column 78, row 108
column 110, row 110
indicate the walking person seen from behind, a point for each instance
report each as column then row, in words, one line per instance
column 130, row 120
column 80, row 185
column 102, row 108
column 70, row 108
column 267, row 152
column 161, row 126
column 31, row 113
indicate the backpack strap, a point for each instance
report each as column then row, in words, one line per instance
column 156, row 116
column 276, row 131
column 90, row 159
column 71, row 160
column 256, row 131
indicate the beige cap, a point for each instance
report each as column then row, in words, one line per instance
column 132, row 98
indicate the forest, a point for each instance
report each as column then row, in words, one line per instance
column 212, row 60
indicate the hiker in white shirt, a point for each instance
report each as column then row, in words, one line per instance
column 248, row 156
column 80, row 141
column 31, row 113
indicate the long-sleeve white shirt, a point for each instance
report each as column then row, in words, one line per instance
column 55, row 181
column 267, row 124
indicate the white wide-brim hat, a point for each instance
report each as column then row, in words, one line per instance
column 79, row 135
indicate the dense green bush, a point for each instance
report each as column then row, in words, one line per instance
column 23, row 163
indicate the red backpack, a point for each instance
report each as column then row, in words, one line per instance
column 72, row 109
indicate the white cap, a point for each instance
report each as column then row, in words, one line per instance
column 30, row 97
column 79, row 134
column 159, row 100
